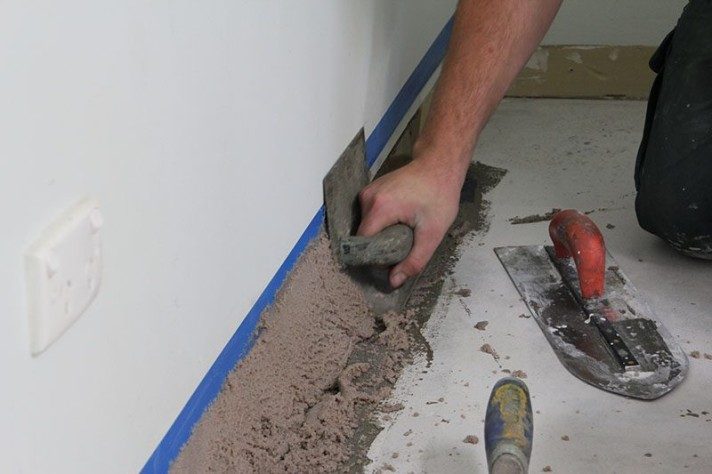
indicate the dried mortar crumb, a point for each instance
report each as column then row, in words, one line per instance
column 481, row 325
column 520, row 374
column 708, row 356
column 695, row 354
column 565, row 438
column 547, row 469
column 471, row 439
column 488, row 349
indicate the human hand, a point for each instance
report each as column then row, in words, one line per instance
column 420, row 195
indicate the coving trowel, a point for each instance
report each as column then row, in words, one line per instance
column 366, row 259
column 598, row 326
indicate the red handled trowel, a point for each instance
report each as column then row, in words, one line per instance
column 591, row 314
column 366, row 259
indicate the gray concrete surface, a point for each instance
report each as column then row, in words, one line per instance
column 560, row 154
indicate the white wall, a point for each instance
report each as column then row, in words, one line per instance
column 204, row 130
column 615, row 22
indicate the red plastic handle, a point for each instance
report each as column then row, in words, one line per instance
column 575, row 235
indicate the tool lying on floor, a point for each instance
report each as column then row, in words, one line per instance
column 367, row 259
column 509, row 427
column 598, row 326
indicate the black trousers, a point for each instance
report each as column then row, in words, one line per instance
column 673, row 175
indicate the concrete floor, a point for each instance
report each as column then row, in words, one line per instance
column 560, row 154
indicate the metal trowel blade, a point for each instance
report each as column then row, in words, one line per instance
column 614, row 343
column 342, row 184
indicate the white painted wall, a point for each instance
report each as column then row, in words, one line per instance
column 204, row 130
column 615, row 22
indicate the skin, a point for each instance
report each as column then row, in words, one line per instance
column 491, row 42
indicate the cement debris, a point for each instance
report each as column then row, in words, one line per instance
column 520, row 374
column 464, row 292
column 471, row 439
column 305, row 398
column 488, row 349
column 481, row 325
column 533, row 218
column 695, row 354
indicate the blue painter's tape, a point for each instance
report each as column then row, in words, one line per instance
column 407, row 95
column 241, row 342
column 236, row 348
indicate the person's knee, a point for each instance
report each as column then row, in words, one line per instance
column 674, row 166
column 679, row 215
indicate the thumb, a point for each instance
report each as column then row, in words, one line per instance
column 425, row 241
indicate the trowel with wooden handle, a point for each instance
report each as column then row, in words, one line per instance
column 366, row 259
column 601, row 330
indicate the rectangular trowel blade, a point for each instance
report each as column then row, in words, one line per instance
column 613, row 343
column 342, row 184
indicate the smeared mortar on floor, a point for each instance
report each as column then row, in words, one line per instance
column 305, row 397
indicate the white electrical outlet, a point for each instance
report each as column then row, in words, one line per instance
column 63, row 270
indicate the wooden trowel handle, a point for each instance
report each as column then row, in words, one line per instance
column 388, row 247
column 575, row 235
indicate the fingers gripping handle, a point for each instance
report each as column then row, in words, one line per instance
column 575, row 235
column 390, row 246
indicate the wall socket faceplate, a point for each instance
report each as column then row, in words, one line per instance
column 63, row 271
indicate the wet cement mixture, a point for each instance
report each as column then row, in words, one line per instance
column 305, row 398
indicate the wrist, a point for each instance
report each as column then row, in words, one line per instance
column 450, row 163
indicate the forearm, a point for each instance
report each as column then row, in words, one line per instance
column 490, row 43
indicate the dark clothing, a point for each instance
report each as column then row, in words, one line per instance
column 673, row 174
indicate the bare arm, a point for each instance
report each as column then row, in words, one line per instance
column 490, row 43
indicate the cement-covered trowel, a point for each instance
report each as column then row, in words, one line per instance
column 591, row 314
column 367, row 259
